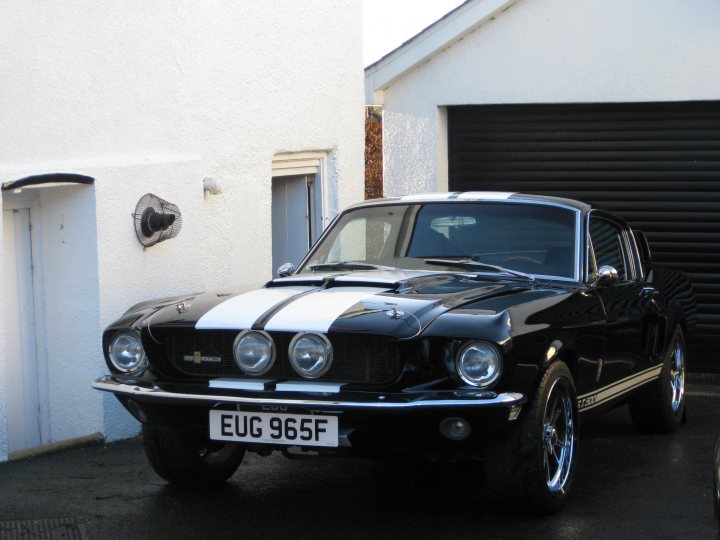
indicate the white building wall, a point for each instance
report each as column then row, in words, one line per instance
column 154, row 97
column 3, row 361
column 129, row 274
column 550, row 51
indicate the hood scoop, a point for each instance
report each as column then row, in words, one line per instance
column 383, row 279
column 400, row 281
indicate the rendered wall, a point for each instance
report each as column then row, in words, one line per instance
column 128, row 273
column 550, row 51
column 3, row 409
column 233, row 82
column 154, row 97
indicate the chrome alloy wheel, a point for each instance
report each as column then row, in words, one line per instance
column 558, row 438
column 677, row 375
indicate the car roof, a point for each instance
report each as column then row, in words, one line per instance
column 468, row 196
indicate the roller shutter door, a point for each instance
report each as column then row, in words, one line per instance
column 655, row 164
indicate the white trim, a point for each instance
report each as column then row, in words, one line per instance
column 313, row 163
column 420, row 197
column 618, row 388
column 440, row 35
column 239, row 384
column 485, row 195
column 460, row 196
column 442, row 174
column 18, row 199
column 41, row 350
column 293, row 166
column 309, row 386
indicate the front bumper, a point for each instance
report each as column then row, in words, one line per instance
column 370, row 422
column 370, row 401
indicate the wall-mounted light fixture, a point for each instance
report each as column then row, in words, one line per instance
column 156, row 220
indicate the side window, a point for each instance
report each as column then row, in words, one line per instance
column 607, row 242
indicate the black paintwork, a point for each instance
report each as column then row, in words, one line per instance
column 604, row 333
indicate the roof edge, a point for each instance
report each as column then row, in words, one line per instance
column 474, row 196
column 445, row 31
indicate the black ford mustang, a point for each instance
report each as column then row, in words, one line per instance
column 456, row 325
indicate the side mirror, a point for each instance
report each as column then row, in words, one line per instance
column 285, row 270
column 607, row 275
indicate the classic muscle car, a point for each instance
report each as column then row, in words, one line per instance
column 457, row 325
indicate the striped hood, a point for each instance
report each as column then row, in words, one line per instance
column 392, row 303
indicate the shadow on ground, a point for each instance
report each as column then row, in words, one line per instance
column 627, row 486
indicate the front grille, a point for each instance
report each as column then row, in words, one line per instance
column 357, row 359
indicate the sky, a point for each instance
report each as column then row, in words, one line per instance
column 389, row 23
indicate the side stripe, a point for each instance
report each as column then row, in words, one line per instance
column 618, row 388
column 240, row 312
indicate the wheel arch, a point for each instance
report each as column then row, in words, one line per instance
column 561, row 350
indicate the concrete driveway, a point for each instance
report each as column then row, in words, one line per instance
column 627, row 486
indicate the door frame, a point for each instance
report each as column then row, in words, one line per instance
column 309, row 163
column 21, row 200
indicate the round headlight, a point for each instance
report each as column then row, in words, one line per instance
column 127, row 353
column 310, row 355
column 254, row 352
column 478, row 363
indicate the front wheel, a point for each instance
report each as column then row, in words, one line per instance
column 181, row 458
column 660, row 407
column 535, row 465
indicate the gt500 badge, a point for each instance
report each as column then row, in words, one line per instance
column 587, row 401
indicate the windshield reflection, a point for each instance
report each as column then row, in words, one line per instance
column 527, row 238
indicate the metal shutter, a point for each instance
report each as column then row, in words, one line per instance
column 655, row 164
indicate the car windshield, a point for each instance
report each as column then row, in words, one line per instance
column 528, row 238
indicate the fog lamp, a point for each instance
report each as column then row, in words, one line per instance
column 455, row 429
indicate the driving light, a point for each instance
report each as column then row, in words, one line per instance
column 126, row 352
column 310, row 355
column 455, row 429
column 254, row 352
column 478, row 363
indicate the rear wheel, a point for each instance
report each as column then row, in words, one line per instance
column 660, row 407
column 182, row 458
column 535, row 465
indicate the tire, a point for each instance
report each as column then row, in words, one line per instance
column 181, row 458
column 660, row 407
column 535, row 465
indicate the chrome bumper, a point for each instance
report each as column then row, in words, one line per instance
column 155, row 394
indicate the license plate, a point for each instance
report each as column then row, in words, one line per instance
column 274, row 428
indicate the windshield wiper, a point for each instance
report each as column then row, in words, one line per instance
column 347, row 265
column 476, row 265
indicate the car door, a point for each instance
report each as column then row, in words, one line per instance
column 626, row 301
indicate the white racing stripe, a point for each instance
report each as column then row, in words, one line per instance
column 240, row 312
column 316, row 312
column 485, row 195
column 593, row 399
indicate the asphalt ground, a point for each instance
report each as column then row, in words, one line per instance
column 627, row 486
